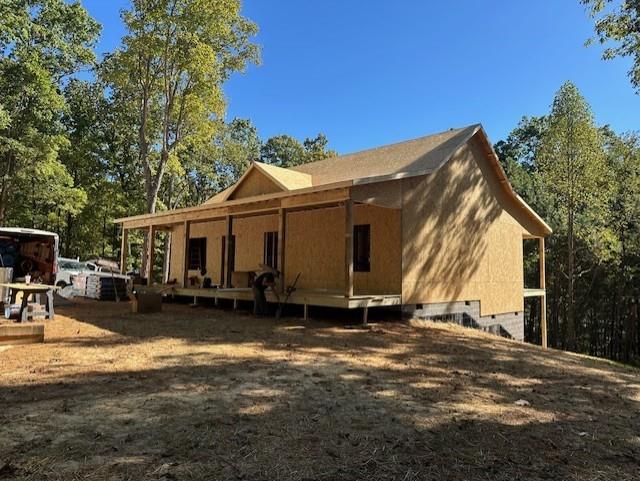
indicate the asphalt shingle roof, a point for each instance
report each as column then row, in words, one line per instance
column 417, row 156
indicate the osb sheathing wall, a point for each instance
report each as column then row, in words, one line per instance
column 249, row 232
column 385, row 276
column 213, row 231
column 460, row 243
column 255, row 183
column 315, row 247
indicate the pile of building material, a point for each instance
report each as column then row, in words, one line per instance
column 100, row 287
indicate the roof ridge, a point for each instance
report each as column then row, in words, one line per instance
column 393, row 144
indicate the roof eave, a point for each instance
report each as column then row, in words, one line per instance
column 504, row 181
column 234, row 202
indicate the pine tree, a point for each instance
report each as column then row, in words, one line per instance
column 573, row 168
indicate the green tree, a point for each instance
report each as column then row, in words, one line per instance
column 317, row 148
column 573, row 169
column 41, row 43
column 618, row 21
column 286, row 151
column 518, row 155
column 282, row 151
column 236, row 147
column 623, row 157
column 171, row 66
column 86, row 123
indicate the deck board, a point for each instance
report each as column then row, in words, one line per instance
column 534, row 292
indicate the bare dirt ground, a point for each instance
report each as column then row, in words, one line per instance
column 194, row 394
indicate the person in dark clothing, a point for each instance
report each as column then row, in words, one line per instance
column 260, row 285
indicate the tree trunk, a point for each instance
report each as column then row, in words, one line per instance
column 570, row 320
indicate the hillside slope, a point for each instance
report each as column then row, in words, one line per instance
column 207, row 394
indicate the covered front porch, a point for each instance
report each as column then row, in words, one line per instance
column 343, row 245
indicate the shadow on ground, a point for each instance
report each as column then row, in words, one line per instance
column 208, row 394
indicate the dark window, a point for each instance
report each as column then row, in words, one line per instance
column 362, row 248
column 271, row 249
column 198, row 253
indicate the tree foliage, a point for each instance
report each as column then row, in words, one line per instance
column 171, row 67
column 563, row 163
column 618, row 25
column 41, row 43
column 286, row 151
column 573, row 169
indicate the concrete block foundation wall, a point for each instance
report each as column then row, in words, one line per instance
column 467, row 313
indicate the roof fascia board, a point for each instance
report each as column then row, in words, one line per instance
column 507, row 185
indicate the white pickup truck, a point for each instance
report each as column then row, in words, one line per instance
column 70, row 268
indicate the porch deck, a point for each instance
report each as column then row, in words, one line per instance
column 303, row 297
column 534, row 292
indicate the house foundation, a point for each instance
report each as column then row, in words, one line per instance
column 467, row 314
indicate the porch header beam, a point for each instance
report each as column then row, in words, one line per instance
column 302, row 198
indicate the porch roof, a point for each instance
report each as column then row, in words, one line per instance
column 331, row 180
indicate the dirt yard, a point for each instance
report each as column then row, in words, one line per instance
column 201, row 393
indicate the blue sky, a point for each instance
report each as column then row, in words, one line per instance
column 367, row 73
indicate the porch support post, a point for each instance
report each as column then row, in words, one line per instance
column 543, row 299
column 151, row 243
column 282, row 229
column 228, row 251
column 124, row 247
column 348, row 248
column 186, row 234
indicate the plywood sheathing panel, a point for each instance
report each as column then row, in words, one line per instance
column 220, row 196
column 460, row 243
column 386, row 267
column 249, row 232
column 213, row 231
column 383, row 194
column 315, row 247
column 255, row 183
column 251, row 206
column 287, row 178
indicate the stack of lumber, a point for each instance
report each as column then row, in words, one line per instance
column 79, row 285
column 103, row 288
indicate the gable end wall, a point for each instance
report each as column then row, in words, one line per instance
column 255, row 183
column 459, row 242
